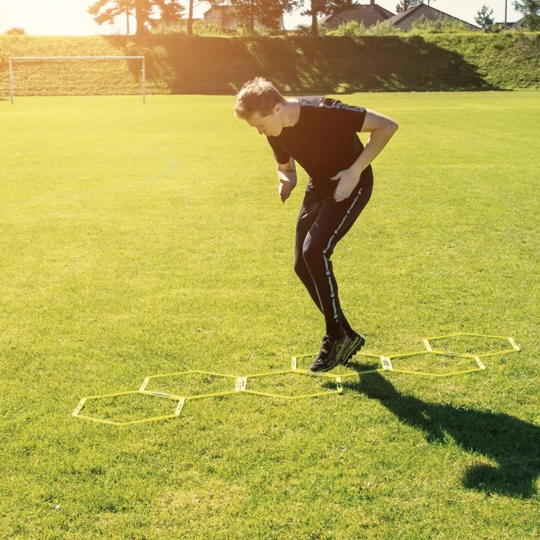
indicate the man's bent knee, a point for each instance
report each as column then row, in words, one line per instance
column 312, row 254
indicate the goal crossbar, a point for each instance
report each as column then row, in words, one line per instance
column 12, row 76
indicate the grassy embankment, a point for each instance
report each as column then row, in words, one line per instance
column 205, row 65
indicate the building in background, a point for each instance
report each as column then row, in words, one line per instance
column 368, row 15
column 518, row 25
column 406, row 19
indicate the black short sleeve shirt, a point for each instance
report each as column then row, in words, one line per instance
column 324, row 141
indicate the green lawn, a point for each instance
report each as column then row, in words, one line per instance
column 140, row 239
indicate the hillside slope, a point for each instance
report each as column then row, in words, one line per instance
column 216, row 65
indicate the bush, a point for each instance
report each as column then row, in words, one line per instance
column 349, row 29
column 15, row 32
column 356, row 29
column 164, row 28
column 382, row 29
column 269, row 32
column 443, row 25
column 305, row 30
column 202, row 28
column 260, row 31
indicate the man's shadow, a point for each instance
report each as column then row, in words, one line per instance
column 512, row 443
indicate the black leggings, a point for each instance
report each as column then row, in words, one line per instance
column 321, row 224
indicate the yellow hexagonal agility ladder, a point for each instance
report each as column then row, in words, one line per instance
column 241, row 384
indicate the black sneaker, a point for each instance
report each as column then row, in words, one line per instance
column 356, row 342
column 332, row 352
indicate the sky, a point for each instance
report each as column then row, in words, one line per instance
column 69, row 17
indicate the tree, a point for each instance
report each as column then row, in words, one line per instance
column 170, row 12
column 106, row 11
column 246, row 12
column 484, row 18
column 142, row 14
column 404, row 5
column 327, row 7
column 271, row 13
column 266, row 12
column 531, row 10
column 190, row 19
column 146, row 11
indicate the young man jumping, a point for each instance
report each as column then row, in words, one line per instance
column 321, row 135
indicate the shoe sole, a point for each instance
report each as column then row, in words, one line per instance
column 328, row 368
column 355, row 348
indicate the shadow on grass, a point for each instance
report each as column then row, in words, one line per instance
column 512, row 443
column 218, row 65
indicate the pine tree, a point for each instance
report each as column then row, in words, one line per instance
column 484, row 18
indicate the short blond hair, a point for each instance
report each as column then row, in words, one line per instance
column 258, row 95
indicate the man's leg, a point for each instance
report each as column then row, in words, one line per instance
column 309, row 212
column 333, row 221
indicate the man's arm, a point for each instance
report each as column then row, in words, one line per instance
column 287, row 178
column 382, row 130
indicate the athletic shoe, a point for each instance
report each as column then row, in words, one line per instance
column 356, row 343
column 332, row 352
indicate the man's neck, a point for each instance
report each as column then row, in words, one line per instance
column 291, row 112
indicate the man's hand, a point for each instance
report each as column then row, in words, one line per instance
column 287, row 182
column 382, row 129
column 284, row 190
column 347, row 180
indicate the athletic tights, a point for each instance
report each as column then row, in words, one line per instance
column 321, row 224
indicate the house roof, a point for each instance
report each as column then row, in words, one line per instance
column 405, row 19
column 367, row 15
column 518, row 24
column 219, row 8
column 511, row 25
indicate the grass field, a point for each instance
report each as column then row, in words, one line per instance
column 146, row 239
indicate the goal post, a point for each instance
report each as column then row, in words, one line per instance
column 30, row 58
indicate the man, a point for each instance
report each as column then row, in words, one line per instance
column 321, row 135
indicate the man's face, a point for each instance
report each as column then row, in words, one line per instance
column 270, row 125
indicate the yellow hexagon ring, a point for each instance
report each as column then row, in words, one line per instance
column 431, row 348
column 81, row 404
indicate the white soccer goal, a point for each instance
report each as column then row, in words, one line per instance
column 13, row 58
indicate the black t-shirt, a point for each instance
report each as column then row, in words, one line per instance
column 324, row 141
